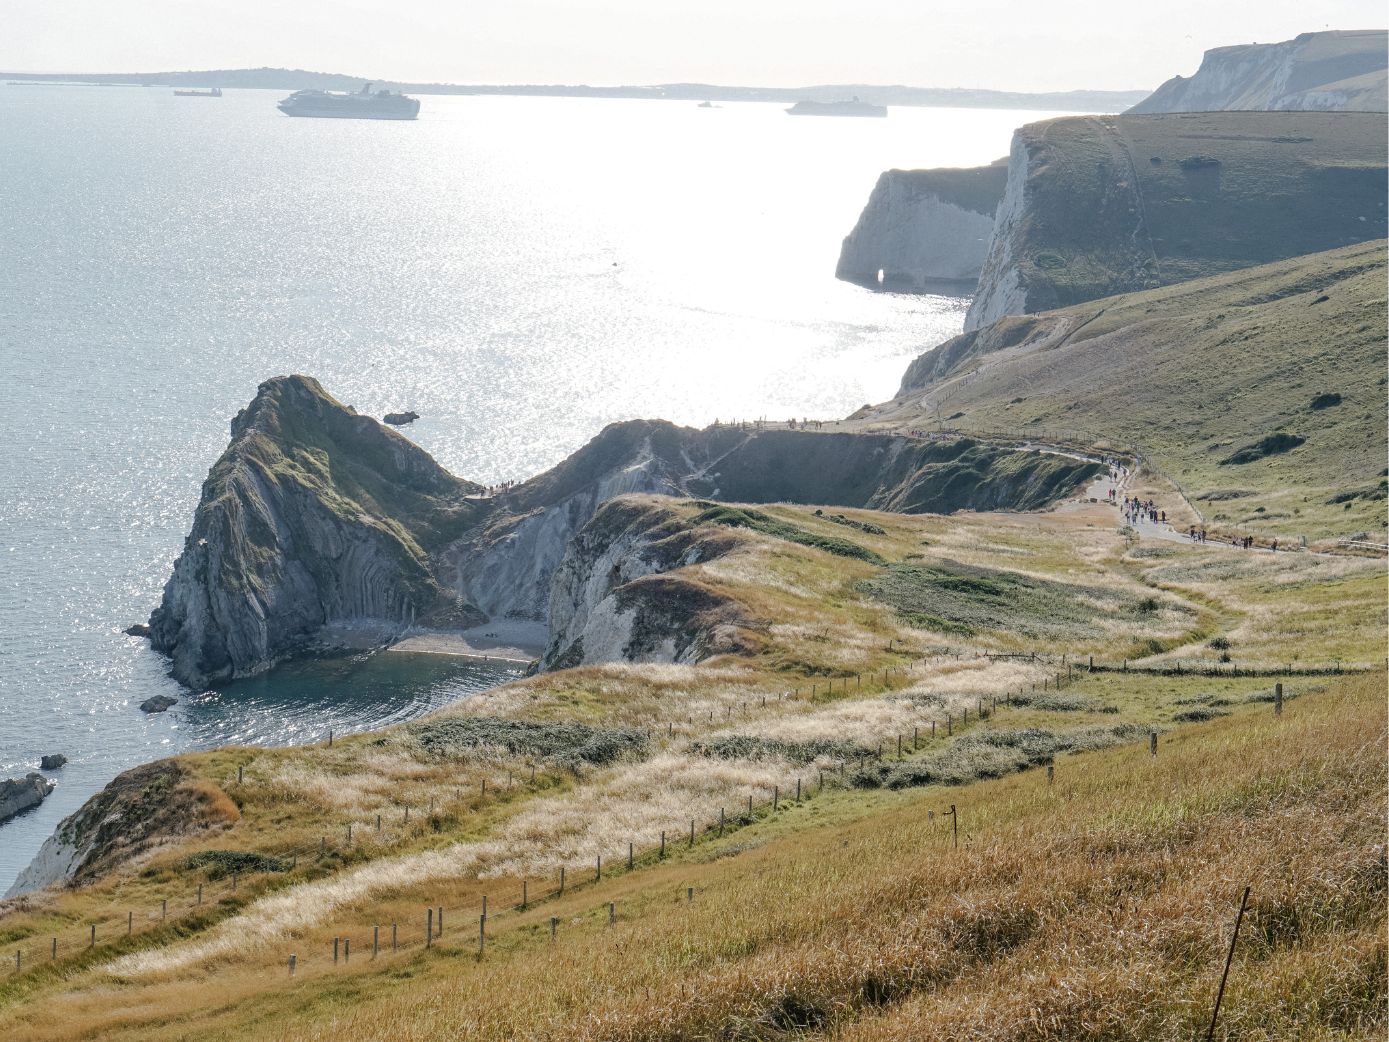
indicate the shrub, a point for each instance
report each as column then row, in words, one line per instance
column 567, row 742
column 224, row 862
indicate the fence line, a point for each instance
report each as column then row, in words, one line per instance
column 107, row 928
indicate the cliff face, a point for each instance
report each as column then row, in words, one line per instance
column 923, row 226
column 1330, row 71
column 134, row 813
column 313, row 516
column 316, row 518
column 612, row 601
column 1100, row 205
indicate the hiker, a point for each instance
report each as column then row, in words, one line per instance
column 1164, row 517
column 1274, row 547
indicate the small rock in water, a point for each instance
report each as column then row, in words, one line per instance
column 157, row 704
column 139, row 629
column 19, row 794
column 400, row 419
column 52, row 762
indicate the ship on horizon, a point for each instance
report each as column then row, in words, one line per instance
column 215, row 92
column 365, row 104
column 853, row 107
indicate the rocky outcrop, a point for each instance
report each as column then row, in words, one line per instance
column 612, row 601
column 1340, row 71
column 313, row 516
column 400, row 419
column 924, row 227
column 316, row 518
column 134, row 814
column 20, row 794
column 158, row 704
column 52, row 761
column 1100, row 205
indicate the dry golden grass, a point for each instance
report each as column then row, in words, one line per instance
column 824, row 905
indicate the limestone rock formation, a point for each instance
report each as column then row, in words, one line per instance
column 19, row 794
column 313, row 516
column 1342, row 71
column 1099, row 205
column 52, row 761
column 158, row 704
column 612, row 602
column 922, row 227
column 400, row 419
column 316, row 519
column 131, row 815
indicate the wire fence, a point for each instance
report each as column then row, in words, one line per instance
column 121, row 929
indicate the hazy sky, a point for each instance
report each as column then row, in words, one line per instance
column 1004, row 44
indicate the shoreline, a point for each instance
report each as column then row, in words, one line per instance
column 504, row 641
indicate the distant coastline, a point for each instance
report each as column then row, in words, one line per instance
column 878, row 94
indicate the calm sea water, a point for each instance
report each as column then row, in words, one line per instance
column 519, row 271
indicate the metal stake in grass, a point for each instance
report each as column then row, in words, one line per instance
column 1229, row 956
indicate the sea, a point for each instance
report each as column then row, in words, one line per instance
column 519, row 271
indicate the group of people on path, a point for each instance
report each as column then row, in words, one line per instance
column 1136, row 509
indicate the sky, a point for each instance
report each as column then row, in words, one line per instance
column 1000, row 44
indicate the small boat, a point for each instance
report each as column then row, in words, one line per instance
column 836, row 108
column 365, row 104
column 708, row 105
column 215, row 92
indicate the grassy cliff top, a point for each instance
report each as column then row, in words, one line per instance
column 929, row 621
column 1200, row 376
column 1120, row 203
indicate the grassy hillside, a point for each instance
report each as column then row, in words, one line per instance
column 1121, row 203
column 1261, row 391
column 846, row 910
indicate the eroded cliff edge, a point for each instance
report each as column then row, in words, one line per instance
column 313, row 516
column 317, row 521
column 1332, row 71
column 1100, row 205
column 922, row 227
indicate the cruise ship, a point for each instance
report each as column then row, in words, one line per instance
column 836, row 108
column 365, row 104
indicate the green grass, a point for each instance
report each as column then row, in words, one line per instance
column 1123, row 203
column 741, row 517
column 1193, row 375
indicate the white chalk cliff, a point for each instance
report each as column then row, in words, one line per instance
column 1329, row 71
column 923, row 226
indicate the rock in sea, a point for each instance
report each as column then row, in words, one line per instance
column 157, row 704
column 52, row 762
column 400, row 419
column 139, row 629
column 19, row 794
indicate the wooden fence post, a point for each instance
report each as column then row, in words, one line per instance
column 393, row 936
column 292, row 960
column 525, row 893
column 481, row 935
column 200, row 893
column 1152, row 743
column 663, row 844
column 1229, row 956
column 163, row 909
column 1277, row 699
column 692, row 831
column 1051, row 773
column 720, row 821
column 429, row 929
column 91, row 943
column 598, row 873
column 439, row 919
column 554, row 925
column 129, row 922
column 375, row 941
column 612, row 912
column 336, row 942
column 346, row 949
column 561, row 880
column 631, row 855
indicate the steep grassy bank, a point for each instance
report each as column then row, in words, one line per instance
column 835, row 668
column 1261, row 391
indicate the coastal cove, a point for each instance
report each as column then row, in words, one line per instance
column 575, row 262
